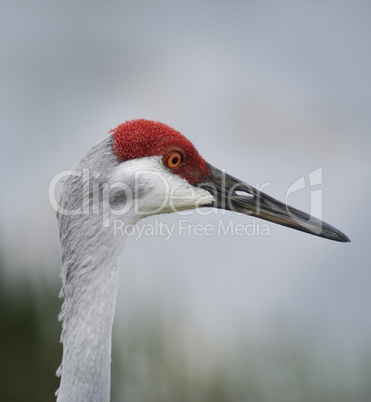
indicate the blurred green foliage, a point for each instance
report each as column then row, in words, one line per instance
column 158, row 364
column 29, row 347
column 154, row 361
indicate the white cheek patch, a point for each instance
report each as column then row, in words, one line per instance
column 183, row 195
column 155, row 190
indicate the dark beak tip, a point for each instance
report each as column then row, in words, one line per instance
column 345, row 239
column 334, row 234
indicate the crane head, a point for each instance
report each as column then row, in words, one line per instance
column 165, row 173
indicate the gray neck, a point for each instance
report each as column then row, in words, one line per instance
column 90, row 271
column 88, row 313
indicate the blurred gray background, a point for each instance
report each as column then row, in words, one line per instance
column 268, row 90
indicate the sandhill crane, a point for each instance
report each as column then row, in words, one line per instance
column 141, row 168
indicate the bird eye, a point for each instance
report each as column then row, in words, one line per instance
column 174, row 159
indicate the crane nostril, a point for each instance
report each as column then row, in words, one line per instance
column 243, row 193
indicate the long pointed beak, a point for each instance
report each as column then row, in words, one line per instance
column 234, row 195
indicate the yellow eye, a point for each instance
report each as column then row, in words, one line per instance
column 174, row 159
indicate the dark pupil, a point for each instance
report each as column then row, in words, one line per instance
column 175, row 160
